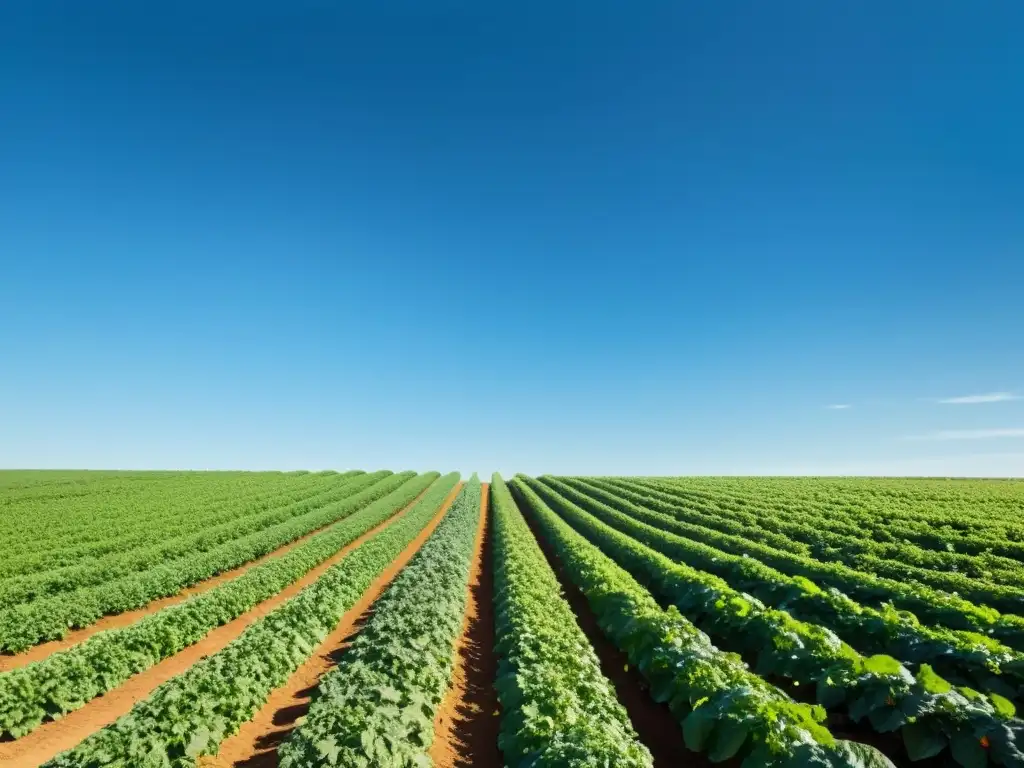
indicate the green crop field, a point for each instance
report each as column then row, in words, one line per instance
column 416, row 619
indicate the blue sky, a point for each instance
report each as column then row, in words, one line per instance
column 544, row 237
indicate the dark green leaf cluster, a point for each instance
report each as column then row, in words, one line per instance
column 69, row 679
column 965, row 516
column 944, row 597
column 377, row 707
column 192, row 713
column 22, row 626
column 972, row 656
column 812, row 534
column 724, row 709
column 557, row 708
column 878, row 689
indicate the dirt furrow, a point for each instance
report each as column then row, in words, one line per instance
column 466, row 725
column 255, row 745
column 653, row 722
column 116, row 621
column 59, row 735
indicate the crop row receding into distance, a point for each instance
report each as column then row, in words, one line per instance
column 376, row 619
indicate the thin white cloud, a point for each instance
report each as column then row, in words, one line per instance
column 839, row 406
column 990, row 397
column 970, row 434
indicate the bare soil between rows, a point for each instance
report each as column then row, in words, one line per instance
column 119, row 620
column 467, row 722
column 256, row 742
column 653, row 722
column 56, row 736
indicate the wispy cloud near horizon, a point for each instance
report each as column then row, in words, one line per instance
column 839, row 407
column 989, row 397
column 970, row 434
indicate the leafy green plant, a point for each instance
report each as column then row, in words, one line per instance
column 376, row 708
column 106, row 516
column 24, row 625
column 819, row 536
column 69, row 679
column 166, row 552
column 965, row 516
column 934, row 593
column 557, row 708
column 190, row 715
column 877, row 689
column 985, row 662
column 724, row 709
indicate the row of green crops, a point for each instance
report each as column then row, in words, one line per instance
column 968, row 517
column 872, row 527
column 930, row 714
column 69, row 679
column 986, row 577
column 952, row 601
column 377, row 707
column 165, row 551
column 723, row 708
column 810, row 534
column 929, row 604
column 22, row 626
column 697, row 514
column 969, row 504
column 56, row 532
column 192, row 713
column 961, row 655
column 87, row 507
column 557, row 708
column 769, row 616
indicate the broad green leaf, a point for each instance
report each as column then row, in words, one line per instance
column 729, row 737
column 887, row 719
column 860, row 755
column 880, row 664
column 329, row 750
column 921, row 741
column 697, row 727
column 1004, row 707
column 968, row 751
column 932, row 682
column 198, row 743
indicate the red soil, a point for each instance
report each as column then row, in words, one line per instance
column 466, row 725
column 255, row 745
column 653, row 722
column 116, row 621
column 57, row 736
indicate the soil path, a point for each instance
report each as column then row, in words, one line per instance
column 466, row 725
column 653, row 722
column 59, row 735
column 116, row 621
column 255, row 745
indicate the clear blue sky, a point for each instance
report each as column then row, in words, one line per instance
column 605, row 237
